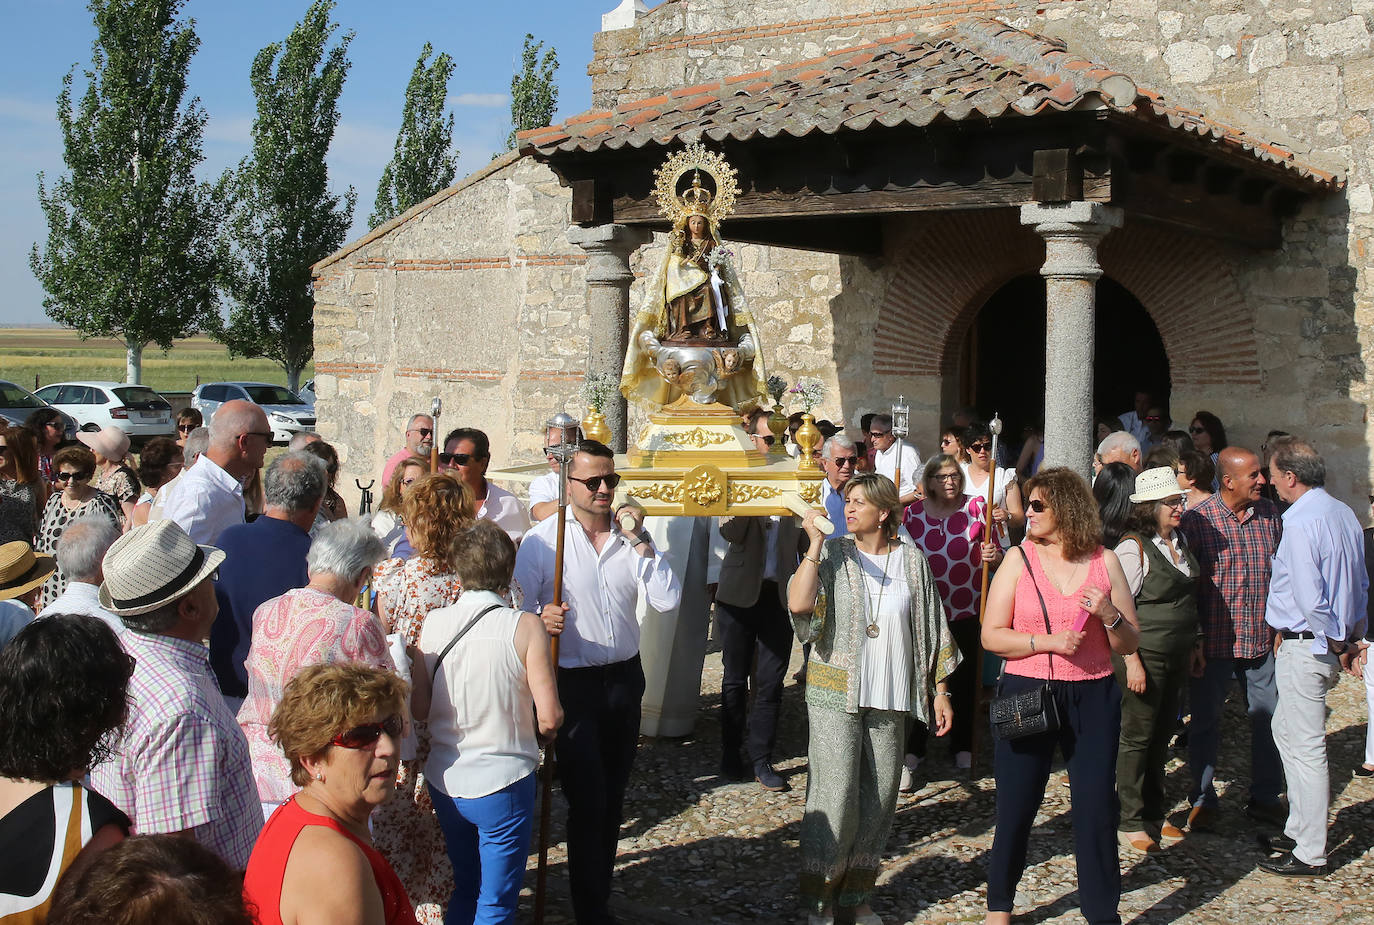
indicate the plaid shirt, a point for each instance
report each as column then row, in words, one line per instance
column 1236, row 555
column 183, row 764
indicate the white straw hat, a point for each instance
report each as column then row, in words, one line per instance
column 154, row 565
column 1155, row 485
column 110, row 442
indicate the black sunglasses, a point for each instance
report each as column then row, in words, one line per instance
column 185, row 428
column 767, row 440
column 422, row 431
column 456, row 459
column 980, row 447
column 841, row 461
column 368, row 733
column 879, row 433
column 1038, row 506
column 3, row 449
column 66, row 476
column 593, row 483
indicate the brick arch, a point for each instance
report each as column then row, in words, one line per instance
column 957, row 261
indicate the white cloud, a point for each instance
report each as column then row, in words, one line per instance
column 484, row 100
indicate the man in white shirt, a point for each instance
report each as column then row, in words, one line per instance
column 467, row 453
column 209, row 497
column 885, row 459
column 600, row 680
column 80, row 550
column 544, row 489
column 1134, row 420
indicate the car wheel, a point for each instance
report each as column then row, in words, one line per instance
column 89, row 428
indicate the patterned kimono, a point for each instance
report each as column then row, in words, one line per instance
column 850, row 803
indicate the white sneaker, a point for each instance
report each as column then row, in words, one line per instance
column 908, row 782
column 963, row 760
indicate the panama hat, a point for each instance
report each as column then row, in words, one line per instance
column 1155, row 485
column 153, row 565
column 110, row 442
column 22, row 569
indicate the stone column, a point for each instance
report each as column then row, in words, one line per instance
column 1072, row 232
column 609, row 277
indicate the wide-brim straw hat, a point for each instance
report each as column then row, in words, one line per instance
column 22, row 569
column 153, row 565
column 1156, row 484
column 110, row 442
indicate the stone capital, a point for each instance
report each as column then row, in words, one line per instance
column 608, row 250
column 1072, row 231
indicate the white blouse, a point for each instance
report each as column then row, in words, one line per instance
column 885, row 661
column 1136, row 564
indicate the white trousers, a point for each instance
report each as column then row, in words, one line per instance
column 1303, row 681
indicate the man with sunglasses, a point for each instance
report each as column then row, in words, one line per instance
column 544, row 490
column 885, row 458
column 607, row 566
column 419, row 442
column 840, row 460
column 467, row 453
column 209, row 498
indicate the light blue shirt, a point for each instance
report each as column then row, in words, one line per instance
column 834, row 509
column 1319, row 582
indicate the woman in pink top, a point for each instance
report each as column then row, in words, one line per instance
column 1091, row 614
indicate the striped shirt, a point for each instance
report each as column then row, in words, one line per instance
column 1235, row 556
column 183, row 764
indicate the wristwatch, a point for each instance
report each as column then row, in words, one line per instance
column 643, row 537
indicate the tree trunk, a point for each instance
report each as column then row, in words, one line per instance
column 293, row 378
column 133, row 355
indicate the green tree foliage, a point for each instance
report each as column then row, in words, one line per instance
column 424, row 162
column 283, row 218
column 132, row 246
column 533, row 93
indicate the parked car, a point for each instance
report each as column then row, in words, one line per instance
column 286, row 413
column 135, row 409
column 17, row 403
column 307, row 392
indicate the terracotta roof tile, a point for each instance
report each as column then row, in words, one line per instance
column 975, row 68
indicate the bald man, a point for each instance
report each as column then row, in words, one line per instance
column 209, row 497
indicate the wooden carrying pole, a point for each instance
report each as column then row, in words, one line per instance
column 988, row 536
column 434, row 408
column 546, row 772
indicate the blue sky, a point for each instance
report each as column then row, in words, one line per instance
column 46, row 37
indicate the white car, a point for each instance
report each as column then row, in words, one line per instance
column 287, row 415
column 308, row 392
column 135, row 409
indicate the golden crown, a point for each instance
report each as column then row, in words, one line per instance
column 697, row 199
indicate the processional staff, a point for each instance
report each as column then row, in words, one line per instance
column 989, row 536
column 901, row 416
column 563, row 452
column 434, row 408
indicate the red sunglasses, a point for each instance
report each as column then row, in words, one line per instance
column 366, row 735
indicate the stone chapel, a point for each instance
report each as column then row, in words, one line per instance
column 1034, row 208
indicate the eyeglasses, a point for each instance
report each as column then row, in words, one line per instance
column 842, row 461
column 1175, row 501
column 947, row 476
column 366, row 735
column 1197, row 430
column 767, row 440
column 879, row 433
column 422, row 431
column 3, row 449
column 1038, row 506
column 979, row 447
column 65, row 476
column 264, row 434
column 593, row 483
column 185, row 428
column 57, row 424
column 457, row 459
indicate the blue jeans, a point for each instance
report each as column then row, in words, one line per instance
column 1207, row 696
column 488, row 839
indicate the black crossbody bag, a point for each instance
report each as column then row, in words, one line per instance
column 461, row 633
column 1031, row 712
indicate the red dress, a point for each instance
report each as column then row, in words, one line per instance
column 262, row 881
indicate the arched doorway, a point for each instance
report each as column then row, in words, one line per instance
column 1003, row 362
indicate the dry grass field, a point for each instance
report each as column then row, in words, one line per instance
column 60, row 355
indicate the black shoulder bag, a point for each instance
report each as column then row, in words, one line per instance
column 461, row 633
column 1031, row 712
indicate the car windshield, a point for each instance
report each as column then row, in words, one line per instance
column 271, row 395
column 136, row 397
column 12, row 396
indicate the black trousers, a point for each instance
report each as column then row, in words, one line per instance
column 596, row 751
column 1090, row 714
column 967, row 634
column 764, row 629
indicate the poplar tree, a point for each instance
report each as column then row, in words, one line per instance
column 424, row 162
column 283, row 218
column 533, row 93
column 132, row 247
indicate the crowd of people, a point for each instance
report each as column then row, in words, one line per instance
column 290, row 715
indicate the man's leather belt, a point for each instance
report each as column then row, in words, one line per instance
column 1293, row 634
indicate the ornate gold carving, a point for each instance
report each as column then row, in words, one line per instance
column 696, row 437
column 659, row 491
column 811, row 493
column 743, row 494
column 703, row 489
column 695, row 158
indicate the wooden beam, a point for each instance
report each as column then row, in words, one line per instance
column 858, row 236
column 591, row 202
column 1152, row 196
column 1058, row 176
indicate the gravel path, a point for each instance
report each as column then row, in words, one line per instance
column 697, row 849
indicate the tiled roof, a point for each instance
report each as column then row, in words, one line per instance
column 975, row 67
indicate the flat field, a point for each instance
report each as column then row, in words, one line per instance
column 60, row 355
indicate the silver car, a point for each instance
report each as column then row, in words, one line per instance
column 17, row 403
column 287, row 415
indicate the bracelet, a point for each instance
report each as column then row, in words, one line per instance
column 811, row 559
column 1032, row 642
column 1117, row 622
column 639, row 542
column 944, row 694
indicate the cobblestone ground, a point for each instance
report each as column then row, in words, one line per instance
column 697, row 849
